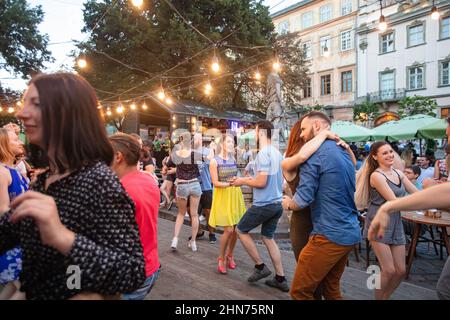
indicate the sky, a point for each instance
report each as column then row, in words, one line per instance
column 63, row 21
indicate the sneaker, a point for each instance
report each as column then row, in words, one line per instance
column 201, row 218
column 186, row 215
column 259, row 274
column 174, row 243
column 283, row 286
column 192, row 245
column 212, row 238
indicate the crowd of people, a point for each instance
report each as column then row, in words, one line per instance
column 92, row 201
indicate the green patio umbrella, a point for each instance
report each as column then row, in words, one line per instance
column 435, row 130
column 350, row 132
column 404, row 129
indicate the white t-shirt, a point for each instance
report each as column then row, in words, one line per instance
column 427, row 173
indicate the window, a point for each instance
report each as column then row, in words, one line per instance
column 346, row 7
column 325, row 42
column 346, row 40
column 444, row 73
column 307, row 90
column 387, row 42
column 416, row 78
column 416, row 35
column 346, row 81
column 325, row 84
column 325, row 13
column 444, row 28
column 307, row 52
column 307, row 20
column 387, row 84
column 283, row 27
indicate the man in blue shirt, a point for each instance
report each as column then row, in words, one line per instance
column 266, row 209
column 327, row 186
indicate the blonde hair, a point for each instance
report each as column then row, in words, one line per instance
column 6, row 154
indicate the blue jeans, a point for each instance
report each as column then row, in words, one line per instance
column 143, row 291
column 267, row 216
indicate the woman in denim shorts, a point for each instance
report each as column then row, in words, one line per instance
column 188, row 187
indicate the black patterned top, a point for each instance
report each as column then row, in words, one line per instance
column 107, row 249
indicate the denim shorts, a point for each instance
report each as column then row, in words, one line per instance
column 143, row 291
column 184, row 190
column 267, row 216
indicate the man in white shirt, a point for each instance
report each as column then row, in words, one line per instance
column 427, row 171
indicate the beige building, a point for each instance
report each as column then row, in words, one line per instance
column 327, row 31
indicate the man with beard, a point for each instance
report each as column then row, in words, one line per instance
column 327, row 186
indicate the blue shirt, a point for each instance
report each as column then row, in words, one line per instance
column 269, row 160
column 327, row 185
column 203, row 168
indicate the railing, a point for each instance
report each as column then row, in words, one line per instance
column 383, row 96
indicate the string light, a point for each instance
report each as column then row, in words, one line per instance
column 119, row 109
column 133, row 106
column 382, row 25
column 161, row 94
column 99, row 106
column 169, row 101
column 257, row 75
column 435, row 15
column 137, row 3
column 276, row 65
column 144, row 106
column 215, row 66
column 174, row 118
column 1, row 109
column 108, row 112
column 10, row 110
column 82, row 63
column 19, row 104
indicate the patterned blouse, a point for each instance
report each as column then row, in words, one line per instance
column 107, row 249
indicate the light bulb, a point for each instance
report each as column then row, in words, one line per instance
column 169, row 101
column 382, row 26
column 435, row 13
column 276, row 65
column 257, row 75
column 133, row 106
column 1, row 109
column 174, row 118
column 207, row 92
column 82, row 63
column 119, row 109
column 10, row 110
column 144, row 106
column 99, row 106
column 19, row 104
column 161, row 94
column 108, row 112
column 137, row 3
column 208, row 87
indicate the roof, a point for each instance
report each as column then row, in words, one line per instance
column 290, row 8
column 194, row 108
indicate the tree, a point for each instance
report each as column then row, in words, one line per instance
column 130, row 49
column 7, row 99
column 22, row 48
column 410, row 106
column 366, row 111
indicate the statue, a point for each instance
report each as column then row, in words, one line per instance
column 275, row 109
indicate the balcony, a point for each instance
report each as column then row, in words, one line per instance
column 383, row 96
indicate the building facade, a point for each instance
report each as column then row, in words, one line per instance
column 411, row 57
column 327, row 32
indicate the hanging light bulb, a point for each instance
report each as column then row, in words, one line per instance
column 174, row 118
column 169, row 101
column 144, row 106
column 82, row 63
column 215, row 66
column 382, row 25
column 208, row 87
column 276, row 65
column 10, row 110
column 435, row 13
column 99, row 106
column 119, row 109
column 326, row 52
column 108, row 112
column 133, row 106
column 1, row 109
column 161, row 94
column 257, row 75
column 137, row 3
column 19, row 103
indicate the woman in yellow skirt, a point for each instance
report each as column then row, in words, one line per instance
column 228, row 205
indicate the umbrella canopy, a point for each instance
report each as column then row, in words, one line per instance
column 403, row 129
column 248, row 135
column 350, row 132
column 435, row 130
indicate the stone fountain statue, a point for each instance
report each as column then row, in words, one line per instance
column 276, row 108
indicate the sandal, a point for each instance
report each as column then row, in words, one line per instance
column 221, row 268
column 231, row 263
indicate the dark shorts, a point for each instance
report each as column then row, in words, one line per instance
column 171, row 177
column 266, row 216
column 205, row 201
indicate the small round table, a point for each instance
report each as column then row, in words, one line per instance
column 418, row 220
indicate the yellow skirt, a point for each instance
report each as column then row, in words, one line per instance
column 227, row 208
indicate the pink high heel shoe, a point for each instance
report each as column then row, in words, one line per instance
column 221, row 268
column 231, row 263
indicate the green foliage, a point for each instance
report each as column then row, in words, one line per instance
column 316, row 107
column 366, row 111
column 155, row 39
column 22, row 48
column 410, row 106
